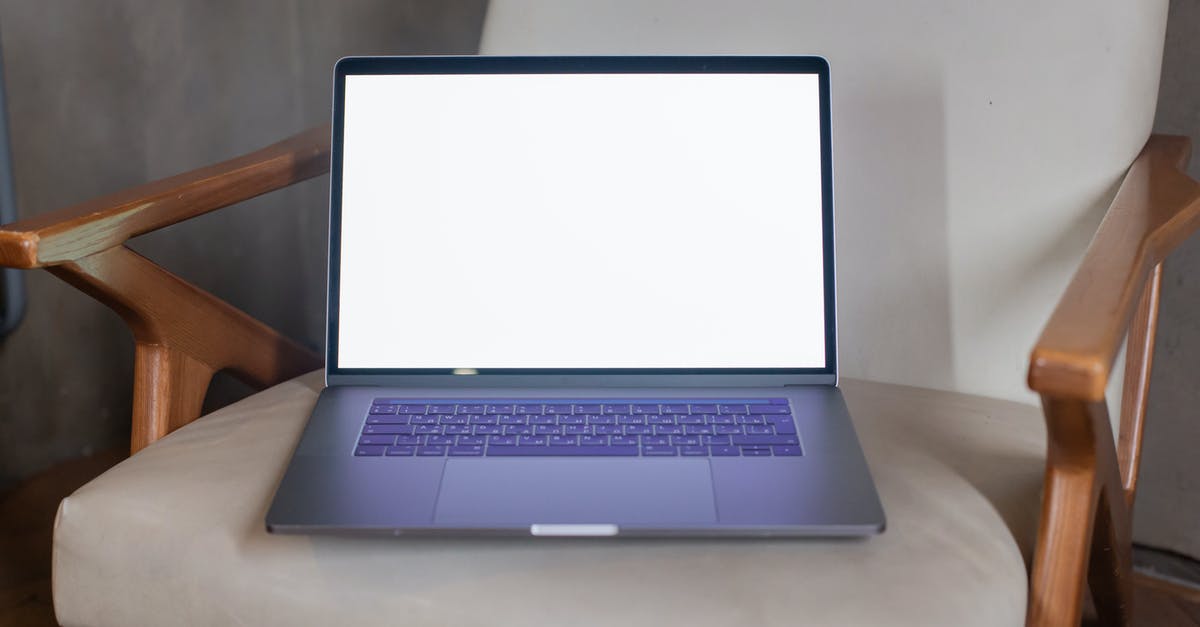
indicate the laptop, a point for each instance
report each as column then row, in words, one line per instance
column 580, row 296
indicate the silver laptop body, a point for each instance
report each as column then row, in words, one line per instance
column 580, row 296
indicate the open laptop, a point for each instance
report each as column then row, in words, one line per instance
column 580, row 296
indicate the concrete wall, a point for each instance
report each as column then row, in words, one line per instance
column 104, row 95
column 1167, row 514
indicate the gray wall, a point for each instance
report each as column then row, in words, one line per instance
column 1167, row 514
column 104, row 95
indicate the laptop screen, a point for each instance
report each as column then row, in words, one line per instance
column 580, row 220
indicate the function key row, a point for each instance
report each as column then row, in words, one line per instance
column 608, row 409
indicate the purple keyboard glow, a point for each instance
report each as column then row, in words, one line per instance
column 582, row 428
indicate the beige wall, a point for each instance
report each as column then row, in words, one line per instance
column 103, row 95
column 1167, row 514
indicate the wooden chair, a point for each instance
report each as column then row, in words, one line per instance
column 184, row 335
column 174, row 534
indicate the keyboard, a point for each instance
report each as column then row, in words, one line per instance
column 579, row 428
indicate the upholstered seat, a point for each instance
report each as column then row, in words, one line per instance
column 174, row 535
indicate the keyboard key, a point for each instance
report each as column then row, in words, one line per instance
column 727, row 429
column 471, row 440
column 500, row 409
column 675, row 409
column 439, row 440
column 369, row 451
column 577, row 430
column 751, row 420
column 408, row 440
column 387, row 430
column 771, row 409
column 732, row 409
column 456, row 430
column 483, row 420
column 518, row 430
column 718, row 420
column 631, row 420
column 756, row 452
column 601, row 420
column 699, row 430
column 693, row 451
column 547, row 430
column 428, row 429
column 441, row 409
column 660, row 420
column 532, row 440
column 513, row 420
column 472, row 409
column 502, row 440
column 715, row 440
column 377, row 440
column 466, row 451
column 542, row 420
column 571, row 420
column 378, row 410
column 659, row 451
column 786, row 450
column 411, row 409
column 638, row 430
column 594, row 440
column 783, row 424
column 488, row 430
column 656, row 440
column 387, row 420
column 704, row 409
column 529, row 409
column 563, row 440
column 587, row 409
column 765, row 440
column 401, row 451
column 608, row 430
column 431, row 451
column 759, row 430
column 558, row 409
column 690, row 420
column 624, row 440
column 559, row 451
column 646, row 409
column 725, row 451
column 424, row 420
column 669, row 430
column 685, row 440
column 612, row 410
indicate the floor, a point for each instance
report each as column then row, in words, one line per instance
column 27, row 519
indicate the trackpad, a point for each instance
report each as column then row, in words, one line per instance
column 479, row 492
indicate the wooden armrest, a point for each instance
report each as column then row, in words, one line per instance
column 75, row 232
column 1156, row 208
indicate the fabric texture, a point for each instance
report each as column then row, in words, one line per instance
column 175, row 536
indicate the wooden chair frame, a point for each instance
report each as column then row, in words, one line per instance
column 184, row 335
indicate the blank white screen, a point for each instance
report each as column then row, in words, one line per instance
column 581, row 221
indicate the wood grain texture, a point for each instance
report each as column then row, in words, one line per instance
column 1156, row 208
column 183, row 335
column 78, row 231
column 1085, row 526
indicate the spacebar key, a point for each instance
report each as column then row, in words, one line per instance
column 562, row 451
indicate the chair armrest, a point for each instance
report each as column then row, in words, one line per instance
column 77, row 231
column 1156, row 208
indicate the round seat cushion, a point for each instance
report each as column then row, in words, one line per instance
column 175, row 535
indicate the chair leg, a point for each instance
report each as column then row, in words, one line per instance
column 1060, row 560
column 1110, row 574
column 168, row 391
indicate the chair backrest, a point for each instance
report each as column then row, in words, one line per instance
column 976, row 147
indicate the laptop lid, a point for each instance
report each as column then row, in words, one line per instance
column 581, row 221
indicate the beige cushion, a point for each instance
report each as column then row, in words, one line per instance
column 175, row 536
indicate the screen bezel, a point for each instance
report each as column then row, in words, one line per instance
column 577, row 65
